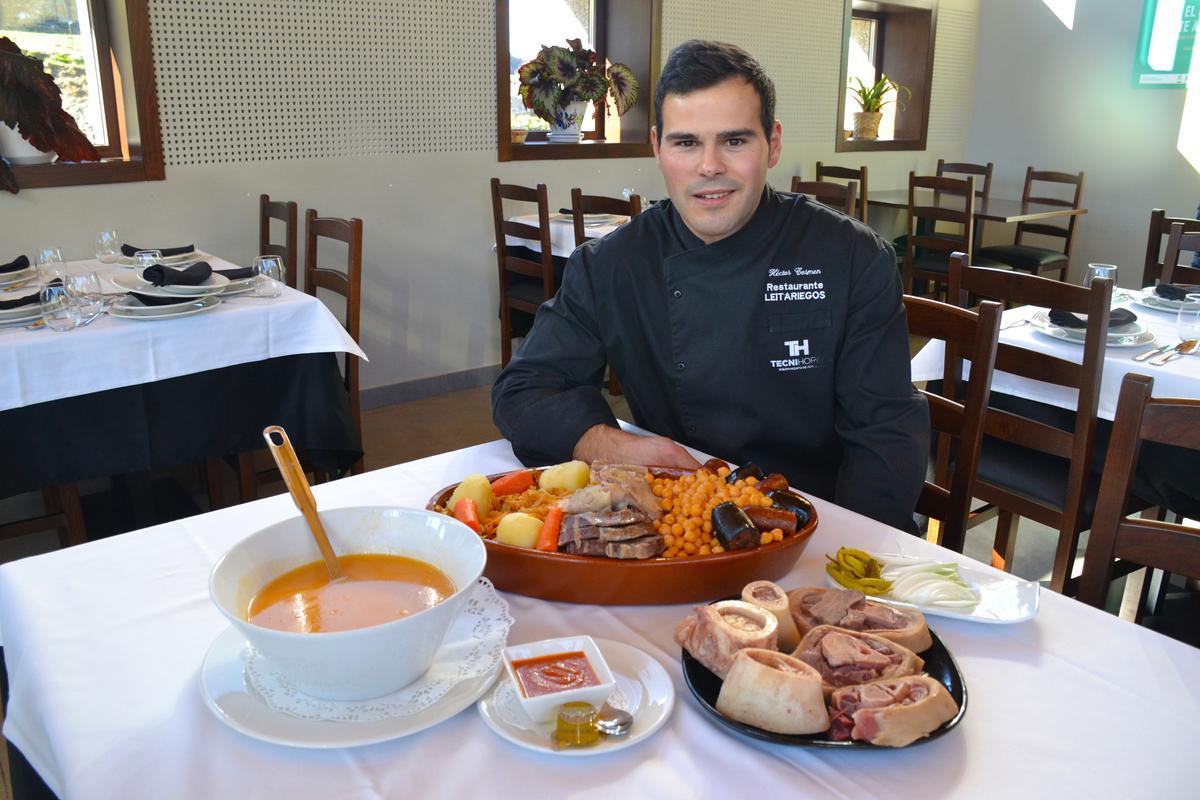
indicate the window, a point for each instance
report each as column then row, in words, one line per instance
column 98, row 52
column 894, row 39
column 620, row 31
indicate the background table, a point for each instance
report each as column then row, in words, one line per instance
column 104, row 641
column 994, row 209
column 562, row 233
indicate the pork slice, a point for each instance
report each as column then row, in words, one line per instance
column 833, row 605
column 878, row 617
column 575, row 529
column 624, row 516
column 622, row 533
column 838, row 649
column 585, row 547
column 589, row 498
column 645, row 547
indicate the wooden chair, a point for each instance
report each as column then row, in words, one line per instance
column 827, row 171
column 1177, row 242
column 1160, row 227
column 977, row 171
column 834, row 195
column 64, row 512
column 598, row 204
column 1028, row 468
column 1041, row 260
column 527, row 278
column 926, row 250
column 1151, row 543
column 286, row 213
column 971, row 336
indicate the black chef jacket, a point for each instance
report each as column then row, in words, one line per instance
column 784, row 344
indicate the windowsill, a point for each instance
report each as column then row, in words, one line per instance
column 545, row 151
column 108, row 170
column 863, row 145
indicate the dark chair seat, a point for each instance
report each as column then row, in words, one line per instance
column 528, row 289
column 1021, row 256
column 1036, row 475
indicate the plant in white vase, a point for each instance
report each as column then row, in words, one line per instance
column 561, row 81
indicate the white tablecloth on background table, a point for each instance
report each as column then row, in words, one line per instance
column 1177, row 378
column 562, row 233
column 42, row 365
column 104, row 643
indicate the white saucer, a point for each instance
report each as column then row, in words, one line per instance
column 213, row 284
column 131, row 308
column 643, row 688
column 226, row 693
column 180, row 260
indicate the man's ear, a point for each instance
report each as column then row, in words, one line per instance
column 654, row 140
column 776, row 144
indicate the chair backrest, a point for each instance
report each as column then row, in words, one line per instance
column 1174, row 548
column 346, row 282
column 1018, row 288
column 1160, row 227
column 953, row 201
column 834, row 195
column 543, row 268
column 1178, row 242
column 984, row 171
column 827, row 171
column 1067, row 234
column 286, row 213
column 970, row 336
column 599, row 204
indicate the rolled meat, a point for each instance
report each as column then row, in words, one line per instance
column 845, row 657
column 846, row 608
column 771, row 597
column 775, row 692
column 892, row 712
column 714, row 634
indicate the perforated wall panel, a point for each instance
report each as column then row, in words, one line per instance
column 254, row 80
column 953, row 75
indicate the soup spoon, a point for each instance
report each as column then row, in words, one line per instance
column 302, row 496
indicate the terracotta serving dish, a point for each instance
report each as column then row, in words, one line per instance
column 616, row 582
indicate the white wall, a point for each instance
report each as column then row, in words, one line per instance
column 1064, row 100
column 430, row 294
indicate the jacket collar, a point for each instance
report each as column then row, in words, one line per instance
column 738, row 241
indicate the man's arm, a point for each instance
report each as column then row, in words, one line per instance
column 882, row 422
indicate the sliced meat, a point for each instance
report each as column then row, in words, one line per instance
column 893, row 712
column 846, row 608
column 623, row 533
column 646, row 547
column 589, row 498
column 841, row 650
column 832, row 606
column 845, row 657
column 575, row 530
column 624, row 516
column 710, row 635
column 586, row 547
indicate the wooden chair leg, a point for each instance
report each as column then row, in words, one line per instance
column 212, row 482
column 505, row 335
column 72, row 510
column 247, row 483
column 1005, row 542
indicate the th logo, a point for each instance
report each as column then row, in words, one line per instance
column 795, row 348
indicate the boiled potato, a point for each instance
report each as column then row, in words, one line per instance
column 478, row 489
column 570, row 476
column 519, row 528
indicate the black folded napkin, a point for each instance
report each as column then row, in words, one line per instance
column 129, row 250
column 1169, row 291
column 236, row 274
column 1065, row 319
column 27, row 300
column 194, row 275
column 151, row 300
column 20, row 262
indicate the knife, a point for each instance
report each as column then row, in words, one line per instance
column 1152, row 353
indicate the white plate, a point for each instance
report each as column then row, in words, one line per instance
column 643, row 688
column 6, row 314
column 1131, row 335
column 130, row 308
column 182, row 259
column 225, row 691
column 213, row 284
column 24, row 318
column 1003, row 598
column 1148, row 299
column 594, row 220
column 9, row 278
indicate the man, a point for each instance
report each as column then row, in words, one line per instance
column 749, row 324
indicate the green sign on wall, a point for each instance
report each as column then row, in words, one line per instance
column 1166, row 42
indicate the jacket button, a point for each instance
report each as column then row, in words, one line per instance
column 677, row 294
column 679, row 365
column 691, row 428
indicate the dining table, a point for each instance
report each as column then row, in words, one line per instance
column 990, row 209
column 121, row 395
column 107, row 645
column 562, row 231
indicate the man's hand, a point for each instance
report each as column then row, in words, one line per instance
column 615, row 446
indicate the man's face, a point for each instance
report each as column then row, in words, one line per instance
column 714, row 156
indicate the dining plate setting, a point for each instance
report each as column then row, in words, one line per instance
column 1148, row 299
column 1131, row 335
column 17, row 276
column 132, row 308
column 180, row 260
column 214, row 284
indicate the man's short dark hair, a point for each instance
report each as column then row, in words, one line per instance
column 699, row 64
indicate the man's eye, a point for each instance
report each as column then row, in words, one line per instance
column 735, row 141
column 685, row 143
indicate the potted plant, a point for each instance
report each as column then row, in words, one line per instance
column 31, row 115
column 872, row 99
column 560, row 82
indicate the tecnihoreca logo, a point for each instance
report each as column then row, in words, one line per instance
column 798, row 357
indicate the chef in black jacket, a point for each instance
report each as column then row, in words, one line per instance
column 747, row 323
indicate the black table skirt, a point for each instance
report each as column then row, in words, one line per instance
column 181, row 420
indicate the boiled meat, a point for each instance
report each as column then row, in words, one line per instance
column 850, row 609
column 893, row 712
column 845, row 657
column 775, row 692
column 714, row 634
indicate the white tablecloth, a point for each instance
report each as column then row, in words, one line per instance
column 43, row 365
column 1178, row 378
column 562, row 233
column 104, row 641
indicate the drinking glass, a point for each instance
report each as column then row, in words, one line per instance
column 59, row 309
column 108, row 247
column 268, row 276
column 1187, row 323
column 1100, row 271
column 50, row 264
column 146, row 258
column 84, row 289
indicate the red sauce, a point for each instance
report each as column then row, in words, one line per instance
column 554, row 673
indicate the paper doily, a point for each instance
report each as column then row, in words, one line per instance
column 473, row 647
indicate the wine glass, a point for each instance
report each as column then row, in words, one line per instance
column 1100, row 271
column 59, row 308
column 268, row 272
column 146, row 258
column 84, row 288
column 108, row 247
column 1187, row 323
column 49, row 263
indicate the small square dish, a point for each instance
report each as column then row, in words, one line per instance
column 551, row 672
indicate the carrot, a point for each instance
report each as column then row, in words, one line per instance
column 466, row 512
column 512, row 483
column 548, row 538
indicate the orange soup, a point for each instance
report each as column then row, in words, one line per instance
column 555, row 673
column 377, row 588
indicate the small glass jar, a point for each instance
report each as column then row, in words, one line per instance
column 576, row 725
